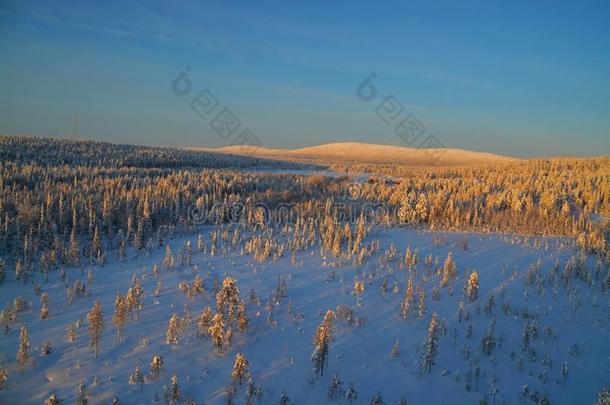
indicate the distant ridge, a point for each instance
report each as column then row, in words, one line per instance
column 355, row 152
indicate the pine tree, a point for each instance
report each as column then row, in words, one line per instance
column 203, row 321
column 472, row 287
column 120, row 313
column 490, row 304
column 240, row 368
column 172, row 392
column 449, row 270
column 216, row 332
column 96, row 327
column 227, row 300
column 431, row 344
column 74, row 252
column 358, row 289
column 197, row 288
column 488, row 343
column 175, row 329
column 242, row 317
column 284, row 400
column 83, row 397
column 137, row 377
column 407, row 301
column 70, row 332
column 351, row 394
column 422, row 302
column 377, row 399
column 321, row 342
column 335, row 391
column 168, row 260
column 44, row 310
column 23, row 354
column 97, row 249
column 156, row 365
column 603, row 396
column 251, row 392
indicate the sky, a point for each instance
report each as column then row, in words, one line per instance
column 524, row 79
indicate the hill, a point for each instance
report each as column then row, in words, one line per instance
column 355, row 152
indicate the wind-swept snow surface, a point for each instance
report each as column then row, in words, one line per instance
column 482, row 350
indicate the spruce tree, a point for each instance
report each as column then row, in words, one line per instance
column 217, row 332
column 23, row 354
column 449, row 270
column 321, row 342
column 175, row 329
column 603, row 396
column 407, row 301
column 335, row 391
column 156, row 365
column 472, row 287
column 83, row 397
column 137, row 377
column 351, row 394
column 377, row 399
column 203, row 321
column 120, row 313
column 96, row 327
column 431, row 344
column 240, row 368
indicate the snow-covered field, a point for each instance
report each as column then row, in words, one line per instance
column 279, row 353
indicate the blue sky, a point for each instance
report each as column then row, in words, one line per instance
column 517, row 78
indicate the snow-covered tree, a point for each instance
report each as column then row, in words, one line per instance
column 449, row 270
column 407, row 301
column 120, row 314
column 321, row 342
column 175, row 329
column 83, row 396
column 241, row 368
column 23, row 354
column 351, row 394
column 217, row 332
column 431, row 344
column 96, row 327
column 137, row 378
column 172, row 393
column 168, row 260
column 227, row 300
column 472, row 286
column 335, row 391
column 358, row 289
column 156, row 365
column 377, row 399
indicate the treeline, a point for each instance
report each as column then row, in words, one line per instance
column 55, row 152
column 68, row 202
column 569, row 197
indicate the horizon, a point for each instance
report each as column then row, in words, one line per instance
column 266, row 147
column 485, row 78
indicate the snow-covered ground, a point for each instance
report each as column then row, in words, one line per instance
column 279, row 355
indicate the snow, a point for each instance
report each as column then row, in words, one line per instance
column 372, row 153
column 279, row 355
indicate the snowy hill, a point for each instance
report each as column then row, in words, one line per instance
column 373, row 154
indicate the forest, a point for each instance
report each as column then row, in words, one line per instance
column 147, row 254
